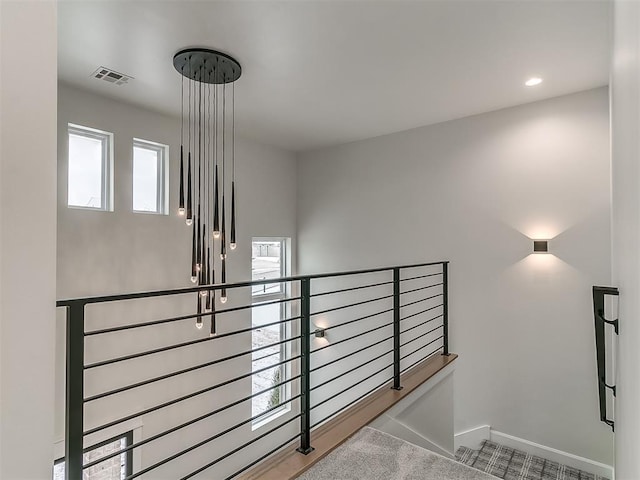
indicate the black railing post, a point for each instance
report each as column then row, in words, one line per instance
column 396, row 329
column 74, row 415
column 445, row 308
column 305, row 366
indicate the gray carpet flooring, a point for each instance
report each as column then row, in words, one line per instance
column 374, row 455
column 509, row 464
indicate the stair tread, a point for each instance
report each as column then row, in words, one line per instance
column 466, row 455
column 511, row 464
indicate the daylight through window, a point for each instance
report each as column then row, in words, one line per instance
column 149, row 189
column 269, row 261
column 89, row 176
column 114, row 468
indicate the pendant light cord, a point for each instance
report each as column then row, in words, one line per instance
column 233, row 130
column 182, row 107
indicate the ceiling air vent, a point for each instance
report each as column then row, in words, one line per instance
column 111, row 76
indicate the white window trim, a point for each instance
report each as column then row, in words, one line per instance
column 134, row 426
column 285, row 331
column 284, row 268
column 106, row 187
column 162, row 196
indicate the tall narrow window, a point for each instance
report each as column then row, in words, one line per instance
column 269, row 260
column 89, row 177
column 149, row 177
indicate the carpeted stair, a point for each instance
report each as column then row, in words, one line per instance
column 374, row 455
column 510, row 464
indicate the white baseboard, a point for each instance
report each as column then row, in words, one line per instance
column 472, row 438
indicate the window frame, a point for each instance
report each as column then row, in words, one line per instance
column 106, row 181
column 284, row 268
column 285, row 328
column 127, row 436
column 162, row 180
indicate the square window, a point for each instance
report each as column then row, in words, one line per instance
column 89, row 168
column 114, row 468
column 149, row 177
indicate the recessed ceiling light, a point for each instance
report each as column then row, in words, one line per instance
column 533, row 81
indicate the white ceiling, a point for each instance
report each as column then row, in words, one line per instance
column 318, row 73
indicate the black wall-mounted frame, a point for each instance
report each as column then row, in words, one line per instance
column 540, row 246
column 599, row 294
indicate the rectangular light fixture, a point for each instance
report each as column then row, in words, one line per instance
column 540, row 246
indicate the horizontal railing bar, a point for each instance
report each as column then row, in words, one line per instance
column 421, row 288
column 203, row 442
column 241, row 447
column 258, row 304
column 351, row 305
column 421, row 276
column 421, row 300
column 342, row 290
column 356, row 320
column 421, row 336
column 186, row 397
column 351, row 403
column 266, row 356
column 421, row 312
column 351, row 354
column 146, row 324
column 258, row 460
column 172, row 291
column 187, row 370
column 351, row 370
column 368, row 392
column 351, row 338
column 421, row 360
column 423, row 346
column 257, row 327
column 147, row 352
column 220, row 286
column 337, row 394
column 192, row 421
column 154, row 351
column 421, row 324
column 606, row 290
column 186, row 317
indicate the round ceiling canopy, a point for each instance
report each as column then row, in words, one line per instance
column 208, row 66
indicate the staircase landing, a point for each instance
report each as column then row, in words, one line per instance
column 510, row 464
column 289, row 464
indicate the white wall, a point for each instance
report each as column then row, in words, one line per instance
column 27, row 238
column 625, row 105
column 121, row 251
column 97, row 250
column 474, row 191
column 424, row 417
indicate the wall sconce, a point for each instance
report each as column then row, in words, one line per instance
column 540, row 246
column 320, row 332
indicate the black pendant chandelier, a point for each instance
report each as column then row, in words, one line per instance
column 207, row 147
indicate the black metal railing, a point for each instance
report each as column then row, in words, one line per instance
column 599, row 295
column 191, row 388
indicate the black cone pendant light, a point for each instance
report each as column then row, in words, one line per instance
column 208, row 143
